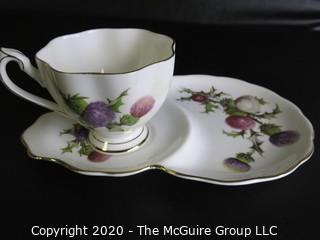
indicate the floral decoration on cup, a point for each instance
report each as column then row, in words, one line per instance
column 103, row 113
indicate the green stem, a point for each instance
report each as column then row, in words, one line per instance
column 184, row 99
column 251, row 152
column 214, row 101
column 255, row 119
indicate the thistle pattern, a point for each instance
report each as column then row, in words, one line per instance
column 245, row 116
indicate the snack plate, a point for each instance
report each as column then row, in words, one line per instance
column 212, row 129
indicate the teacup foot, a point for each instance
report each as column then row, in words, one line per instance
column 118, row 145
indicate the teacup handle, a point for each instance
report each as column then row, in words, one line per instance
column 7, row 55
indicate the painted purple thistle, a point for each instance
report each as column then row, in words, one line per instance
column 284, row 138
column 80, row 133
column 98, row 114
column 142, row 106
column 236, row 165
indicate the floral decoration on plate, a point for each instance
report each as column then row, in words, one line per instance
column 81, row 144
column 245, row 116
column 103, row 113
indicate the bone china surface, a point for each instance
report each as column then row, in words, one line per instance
column 112, row 81
column 212, row 129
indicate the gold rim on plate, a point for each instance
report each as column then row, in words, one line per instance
column 167, row 170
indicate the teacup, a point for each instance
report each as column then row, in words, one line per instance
column 112, row 81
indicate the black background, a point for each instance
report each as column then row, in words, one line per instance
column 219, row 12
column 276, row 54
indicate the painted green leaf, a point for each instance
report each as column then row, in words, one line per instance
column 270, row 129
column 186, row 90
column 272, row 114
column 85, row 149
column 209, row 107
column 212, row 91
column 256, row 143
column 117, row 103
column 66, row 131
column 256, row 147
column 69, row 148
column 229, row 106
column 77, row 103
column 236, row 112
column 128, row 120
column 228, row 103
column 115, row 127
column 219, row 94
column 184, row 98
column 234, row 134
column 245, row 157
column 261, row 101
column 215, row 94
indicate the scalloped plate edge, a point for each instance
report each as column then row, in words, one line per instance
column 169, row 171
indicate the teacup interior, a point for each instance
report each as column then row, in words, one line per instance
column 106, row 51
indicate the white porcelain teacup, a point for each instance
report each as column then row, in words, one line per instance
column 111, row 81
